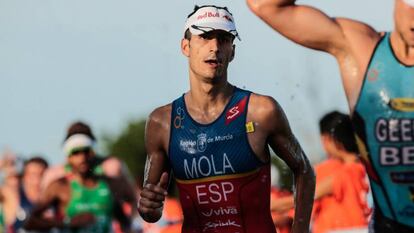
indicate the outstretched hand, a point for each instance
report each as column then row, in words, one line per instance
column 152, row 199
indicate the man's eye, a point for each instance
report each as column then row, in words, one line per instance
column 204, row 36
column 225, row 39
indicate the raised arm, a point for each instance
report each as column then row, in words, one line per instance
column 304, row 25
column 157, row 167
column 311, row 27
column 285, row 145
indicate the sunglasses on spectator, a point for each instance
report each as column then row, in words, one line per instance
column 83, row 150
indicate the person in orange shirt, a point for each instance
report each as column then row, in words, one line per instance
column 341, row 187
column 325, row 208
column 173, row 214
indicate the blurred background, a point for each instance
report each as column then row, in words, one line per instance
column 110, row 63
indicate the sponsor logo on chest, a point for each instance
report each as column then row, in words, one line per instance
column 192, row 146
column 396, row 139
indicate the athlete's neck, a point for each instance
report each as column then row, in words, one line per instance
column 347, row 157
column 87, row 179
column 205, row 101
column 403, row 51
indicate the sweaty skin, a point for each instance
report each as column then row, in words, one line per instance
column 208, row 96
column 351, row 42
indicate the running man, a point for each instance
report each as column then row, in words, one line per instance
column 83, row 201
column 120, row 183
column 378, row 77
column 215, row 139
column 109, row 166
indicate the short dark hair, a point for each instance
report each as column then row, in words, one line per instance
column 327, row 122
column 35, row 159
column 339, row 126
column 79, row 127
column 187, row 34
column 344, row 134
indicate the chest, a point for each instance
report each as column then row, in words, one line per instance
column 79, row 199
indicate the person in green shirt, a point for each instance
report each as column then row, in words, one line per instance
column 82, row 199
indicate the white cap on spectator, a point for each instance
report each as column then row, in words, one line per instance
column 77, row 141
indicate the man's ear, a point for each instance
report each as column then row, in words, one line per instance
column 185, row 47
column 233, row 52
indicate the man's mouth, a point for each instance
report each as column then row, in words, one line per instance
column 213, row 62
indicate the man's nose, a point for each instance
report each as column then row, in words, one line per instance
column 84, row 155
column 214, row 44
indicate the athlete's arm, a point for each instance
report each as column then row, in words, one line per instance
column 156, row 174
column 311, row 27
column 285, row 145
column 51, row 174
column 50, row 198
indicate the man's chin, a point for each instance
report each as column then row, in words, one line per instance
column 409, row 40
column 84, row 170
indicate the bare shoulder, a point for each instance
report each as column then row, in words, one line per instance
column 161, row 117
column 158, row 127
column 355, row 26
column 360, row 36
column 61, row 182
column 52, row 173
column 57, row 189
column 57, row 185
column 264, row 109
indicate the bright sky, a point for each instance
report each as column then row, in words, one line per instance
column 107, row 61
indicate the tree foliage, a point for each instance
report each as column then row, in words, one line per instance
column 129, row 146
column 285, row 174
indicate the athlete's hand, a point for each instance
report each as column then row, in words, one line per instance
column 152, row 199
column 82, row 220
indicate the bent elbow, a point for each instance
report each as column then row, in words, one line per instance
column 257, row 7
column 268, row 9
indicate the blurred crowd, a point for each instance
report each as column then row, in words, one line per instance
column 93, row 193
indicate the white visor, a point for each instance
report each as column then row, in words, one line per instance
column 208, row 18
column 77, row 141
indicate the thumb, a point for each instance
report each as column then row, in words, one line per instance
column 163, row 181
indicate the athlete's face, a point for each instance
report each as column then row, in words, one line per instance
column 209, row 54
column 404, row 21
column 80, row 160
column 33, row 173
